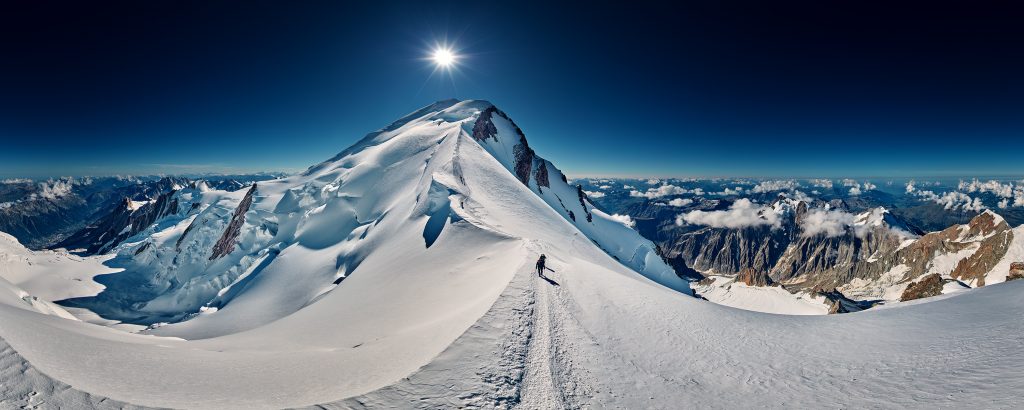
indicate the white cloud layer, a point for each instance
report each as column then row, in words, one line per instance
column 951, row 200
column 779, row 185
column 680, row 202
column 742, row 213
column 665, row 190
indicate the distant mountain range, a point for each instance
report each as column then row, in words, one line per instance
column 63, row 212
column 824, row 254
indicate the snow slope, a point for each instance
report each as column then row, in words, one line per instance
column 34, row 279
column 398, row 274
column 768, row 299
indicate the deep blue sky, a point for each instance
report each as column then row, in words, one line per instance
column 839, row 88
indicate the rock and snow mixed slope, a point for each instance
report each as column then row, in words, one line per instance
column 398, row 274
column 817, row 255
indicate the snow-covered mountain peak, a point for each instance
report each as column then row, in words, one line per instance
column 449, row 167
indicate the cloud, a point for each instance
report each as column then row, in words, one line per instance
column 628, row 187
column 653, row 181
column 742, row 213
column 623, row 219
column 665, row 190
column 16, row 181
column 800, row 196
column 605, row 187
column 771, row 186
column 951, row 200
column 856, row 187
column 1002, row 190
column 53, row 189
column 594, row 194
column 822, row 183
column 830, row 223
column 834, row 222
column 729, row 191
column 680, row 202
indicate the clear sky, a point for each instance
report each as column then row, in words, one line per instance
column 838, row 88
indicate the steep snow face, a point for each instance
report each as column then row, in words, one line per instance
column 327, row 221
column 496, row 132
column 370, row 263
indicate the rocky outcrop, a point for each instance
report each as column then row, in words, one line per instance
column 226, row 243
column 753, row 277
column 484, row 128
column 524, row 157
column 1016, row 271
column 927, row 287
column 730, row 250
column 868, row 253
column 124, row 221
column 541, row 176
column 839, row 303
column 583, row 202
column 991, row 250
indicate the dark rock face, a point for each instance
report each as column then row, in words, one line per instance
column 809, row 262
column 48, row 221
column 541, row 176
column 927, row 287
column 524, row 156
column 484, row 128
column 122, row 223
column 226, row 243
column 753, row 277
column 730, row 250
column 1016, row 271
column 583, row 202
column 839, row 303
column 989, row 253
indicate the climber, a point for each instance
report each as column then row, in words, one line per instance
column 540, row 265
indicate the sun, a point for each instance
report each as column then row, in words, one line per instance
column 444, row 57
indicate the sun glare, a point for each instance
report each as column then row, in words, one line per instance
column 444, row 57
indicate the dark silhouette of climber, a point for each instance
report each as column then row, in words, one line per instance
column 541, row 267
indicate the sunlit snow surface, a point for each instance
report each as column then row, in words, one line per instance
column 435, row 239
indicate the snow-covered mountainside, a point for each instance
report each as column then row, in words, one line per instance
column 75, row 213
column 216, row 248
column 400, row 274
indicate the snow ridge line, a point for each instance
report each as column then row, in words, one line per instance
column 499, row 340
column 552, row 379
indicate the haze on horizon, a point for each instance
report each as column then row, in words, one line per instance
column 738, row 90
